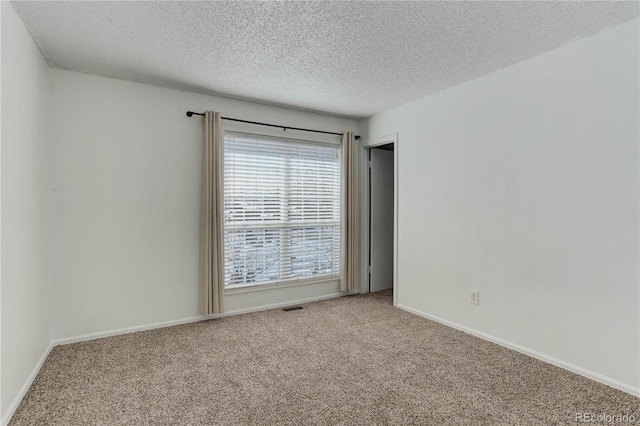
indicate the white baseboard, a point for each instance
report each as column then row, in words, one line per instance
column 542, row 357
column 126, row 330
column 25, row 387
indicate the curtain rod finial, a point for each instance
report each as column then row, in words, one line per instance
column 189, row 113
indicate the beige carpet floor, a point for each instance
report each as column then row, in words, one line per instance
column 355, row 360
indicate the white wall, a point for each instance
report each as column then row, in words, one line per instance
column 523, row 184
column 126, row 203
column 26, row 296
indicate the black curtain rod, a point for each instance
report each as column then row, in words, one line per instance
column 190, row 113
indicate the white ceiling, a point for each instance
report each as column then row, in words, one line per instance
column 352, row 59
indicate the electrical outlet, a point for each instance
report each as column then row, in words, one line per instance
column 475, row 297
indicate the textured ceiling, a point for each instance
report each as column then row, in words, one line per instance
column 345, row 58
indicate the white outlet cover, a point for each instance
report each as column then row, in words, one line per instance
column 475, row 297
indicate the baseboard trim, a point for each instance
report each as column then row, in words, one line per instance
column 526, row 351
column 25, row 387
column 134, row 329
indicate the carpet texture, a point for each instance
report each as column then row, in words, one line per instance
column 355, row 360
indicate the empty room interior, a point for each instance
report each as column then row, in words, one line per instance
column 353, row 213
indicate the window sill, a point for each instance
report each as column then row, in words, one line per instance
column 281, row 284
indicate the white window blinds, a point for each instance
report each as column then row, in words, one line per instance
column 281, row 209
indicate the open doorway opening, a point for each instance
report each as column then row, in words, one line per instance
column 381, row 206
column 379, row 216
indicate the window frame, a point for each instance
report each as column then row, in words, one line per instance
column 295, row 136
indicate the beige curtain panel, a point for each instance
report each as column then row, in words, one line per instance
column 211, row 231
column 349, row 277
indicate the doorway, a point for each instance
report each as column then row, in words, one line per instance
column 379, row 214
column 381, row 190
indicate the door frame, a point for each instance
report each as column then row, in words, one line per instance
column 364, row 211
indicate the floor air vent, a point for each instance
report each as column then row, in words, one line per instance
column 293, row 308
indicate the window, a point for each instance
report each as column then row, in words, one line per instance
column 281, row 210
